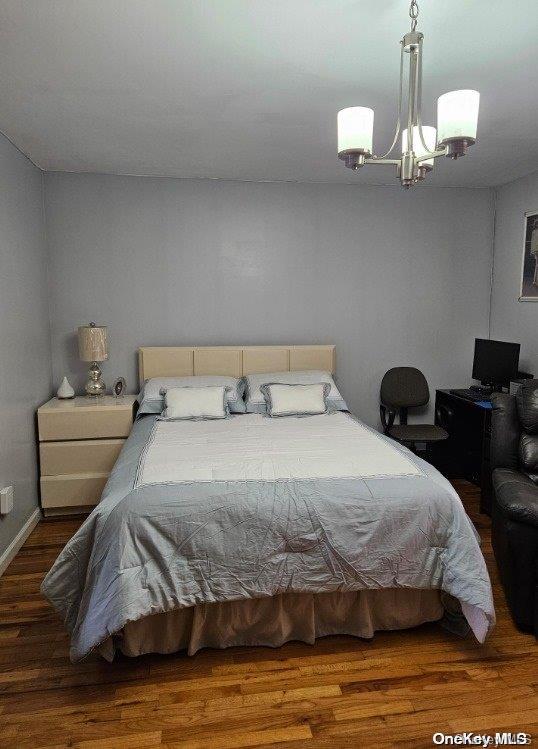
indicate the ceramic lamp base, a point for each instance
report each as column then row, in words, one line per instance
column 95, row 385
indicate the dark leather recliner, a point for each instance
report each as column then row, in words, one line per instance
column 514, row 533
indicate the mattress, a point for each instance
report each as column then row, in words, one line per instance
column 250, row 508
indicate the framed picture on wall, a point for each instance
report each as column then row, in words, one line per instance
column 529, row 266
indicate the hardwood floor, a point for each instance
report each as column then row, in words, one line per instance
column 396, row 690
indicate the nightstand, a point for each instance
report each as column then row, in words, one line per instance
column 79, row 442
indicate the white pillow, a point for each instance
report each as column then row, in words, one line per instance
column 195, row 403
column 151, row 398
column 255, row 401
column 296, row 400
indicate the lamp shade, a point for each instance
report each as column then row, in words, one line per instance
column 92, row 342
column 355, row 130
column 457, row 116
column 429, row 133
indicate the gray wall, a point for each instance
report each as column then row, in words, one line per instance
column 25, row 363
column 391, row 277
column 512, row 320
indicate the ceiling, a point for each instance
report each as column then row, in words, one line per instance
column 249, row 89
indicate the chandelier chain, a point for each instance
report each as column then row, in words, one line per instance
column 413, row 14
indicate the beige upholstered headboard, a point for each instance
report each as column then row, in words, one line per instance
column 235, row 361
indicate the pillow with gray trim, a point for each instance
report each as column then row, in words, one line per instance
column 255, row 402
column 296, row 400
column 151, row 397
column 195, row 403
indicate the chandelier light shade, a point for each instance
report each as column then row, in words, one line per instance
column 355, row 131
column 430, row 139
column 457, row 119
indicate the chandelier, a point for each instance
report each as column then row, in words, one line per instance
column 457, row 118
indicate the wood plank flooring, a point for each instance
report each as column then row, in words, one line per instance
column 394, row 691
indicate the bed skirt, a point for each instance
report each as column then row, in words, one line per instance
column 273, row 621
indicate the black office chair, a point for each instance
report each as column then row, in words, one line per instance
column 403, row 388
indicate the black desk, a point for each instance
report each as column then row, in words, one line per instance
column 466, row 452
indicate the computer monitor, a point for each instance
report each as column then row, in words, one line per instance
column 495, row 362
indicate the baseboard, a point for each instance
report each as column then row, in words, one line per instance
column 9, row 554
column 67, row 512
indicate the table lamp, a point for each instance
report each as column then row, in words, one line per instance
column 93, row 347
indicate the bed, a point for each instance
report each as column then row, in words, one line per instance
column 256, row 531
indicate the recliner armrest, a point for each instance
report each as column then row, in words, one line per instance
column 516, row 496
column 505, row 432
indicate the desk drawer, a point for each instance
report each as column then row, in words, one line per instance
column 81, row 456
column 79, row 490
column 84, row 424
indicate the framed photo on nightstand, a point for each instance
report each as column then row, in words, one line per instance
column 118, row 388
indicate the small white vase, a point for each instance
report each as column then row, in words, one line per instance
column 65, row 390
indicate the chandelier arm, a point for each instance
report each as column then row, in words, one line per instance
column 399, row 120
column 382, row 161
column 418, row 94
column 419, row 97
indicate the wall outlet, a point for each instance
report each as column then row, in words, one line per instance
column 6, row 500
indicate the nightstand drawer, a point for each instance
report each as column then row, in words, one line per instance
column 84, row 423
column 72, row 491
column 82, row 456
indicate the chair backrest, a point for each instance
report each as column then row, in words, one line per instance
column 404, row 387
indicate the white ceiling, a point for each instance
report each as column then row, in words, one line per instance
column 249, row 89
